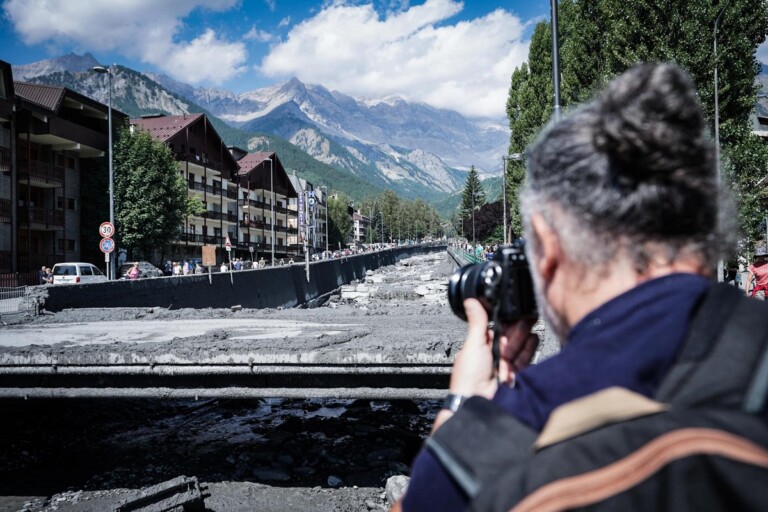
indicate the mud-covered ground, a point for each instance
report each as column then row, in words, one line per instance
column 267, row 454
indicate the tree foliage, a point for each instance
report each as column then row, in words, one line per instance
column 600, row 39
column 339, row 221
column 473, row 196
column 400, row 219
column 151, row 199
column 488, row 225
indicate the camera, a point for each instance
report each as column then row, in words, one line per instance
column 503, row 285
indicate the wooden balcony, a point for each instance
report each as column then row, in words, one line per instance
column 41, row 218
column 42, row 174
column 5, row 159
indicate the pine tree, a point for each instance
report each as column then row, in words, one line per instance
column 472, row 199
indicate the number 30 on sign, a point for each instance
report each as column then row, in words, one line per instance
column 106, row 229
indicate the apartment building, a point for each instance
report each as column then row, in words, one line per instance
column 52, row 140
column 267, row 222
column 360, row 226
column 210, row 171
column 311, row 214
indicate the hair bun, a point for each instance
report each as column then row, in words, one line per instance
column 650, row 123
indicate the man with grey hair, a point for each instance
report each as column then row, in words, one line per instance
column 621, row 210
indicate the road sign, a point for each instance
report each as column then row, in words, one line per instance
column 228, row 244
column 107, row 229
column 107, row 245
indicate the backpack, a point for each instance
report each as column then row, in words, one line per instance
column 700, row 444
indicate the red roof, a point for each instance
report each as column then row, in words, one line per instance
column 252, row 160
column 164, row 127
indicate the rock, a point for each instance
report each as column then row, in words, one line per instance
column 271, row 474
column 369, row 272
column 426, row 277
column 396, row 487
column 285, row 459
column 422, row 290
column 335, row 482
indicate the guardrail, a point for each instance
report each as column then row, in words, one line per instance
column 17, row 301
column 462, row 257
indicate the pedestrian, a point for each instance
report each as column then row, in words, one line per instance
column 238, row 264
column 185, row 267
column 41, row 274
column 48, row 275
column 758, row 275
column 176, row 268
column 169, row 268
column 620, row 213
column 223, row 267
column 133, row 272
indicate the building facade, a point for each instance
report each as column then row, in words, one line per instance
column 247, row 196
column 52, row 141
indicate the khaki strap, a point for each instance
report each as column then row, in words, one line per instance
column 610, row 405
column 595, row 486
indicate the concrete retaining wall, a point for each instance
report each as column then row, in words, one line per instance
column 285, row 286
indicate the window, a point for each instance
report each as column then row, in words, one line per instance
column 68, row 203
column 85, row 270
column 67, row 244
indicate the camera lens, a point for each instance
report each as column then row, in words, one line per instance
column 479, row 281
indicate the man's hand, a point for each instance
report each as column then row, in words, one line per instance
column 473, row 372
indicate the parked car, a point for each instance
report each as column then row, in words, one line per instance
column 146, row 269
column 77, row 272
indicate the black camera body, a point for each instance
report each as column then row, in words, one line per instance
column 503, row 286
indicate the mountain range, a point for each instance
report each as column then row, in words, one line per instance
column 414, row 149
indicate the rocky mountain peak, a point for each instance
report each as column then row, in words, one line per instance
column 71, row 62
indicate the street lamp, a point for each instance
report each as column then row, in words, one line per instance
column 102, row 69
column 272, row 206
column 720, row 265
column 325, row 198
column 504, row 194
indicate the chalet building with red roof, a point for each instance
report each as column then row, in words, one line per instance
column 52, row 140
column 246, row 194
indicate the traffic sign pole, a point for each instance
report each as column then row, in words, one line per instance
column 107, row 245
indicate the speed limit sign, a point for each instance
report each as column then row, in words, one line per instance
column 107, row 229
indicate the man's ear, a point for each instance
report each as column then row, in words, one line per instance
column 549, row 255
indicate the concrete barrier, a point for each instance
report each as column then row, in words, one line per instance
column 284, row 286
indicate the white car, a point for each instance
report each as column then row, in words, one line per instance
column 77, row 272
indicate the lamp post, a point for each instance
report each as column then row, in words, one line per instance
column 720, row 265
column 555, row 62
column 325, row 199
column 504, row 194
column 102, row 69
column 272, row 206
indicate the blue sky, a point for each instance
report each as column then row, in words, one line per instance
column 446, row 53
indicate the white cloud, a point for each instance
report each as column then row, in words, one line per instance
column 762, row 52
column 284, row 22
column 415, row 52
column 142, row 29
column 270, row 4
column 258, row 35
